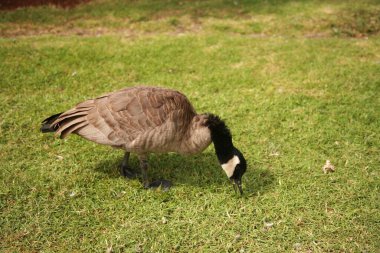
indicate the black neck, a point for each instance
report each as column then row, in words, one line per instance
column 221, row 137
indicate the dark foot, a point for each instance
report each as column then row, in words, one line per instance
column 164, row 184
column 128, row 172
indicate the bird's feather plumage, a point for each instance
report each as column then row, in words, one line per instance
column 138, row 119
column 149, row 119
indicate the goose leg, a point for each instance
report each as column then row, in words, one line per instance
column 165, row 184
column 125, row 170
column 144, row 170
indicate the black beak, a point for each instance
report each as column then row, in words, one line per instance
column 237, row 186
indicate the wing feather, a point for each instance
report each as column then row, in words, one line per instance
column 72, row 129
column 128, row 115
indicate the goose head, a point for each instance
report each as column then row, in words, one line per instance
column 230, row 158
column 235, row 169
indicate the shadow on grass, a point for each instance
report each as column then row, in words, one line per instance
column 202, row 170
column 258, row 181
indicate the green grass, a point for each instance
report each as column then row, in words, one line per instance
column 349, row 18
column 291, row 100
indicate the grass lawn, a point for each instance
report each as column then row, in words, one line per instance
column 298, row 83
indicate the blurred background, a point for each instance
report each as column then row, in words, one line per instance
column 251, row 17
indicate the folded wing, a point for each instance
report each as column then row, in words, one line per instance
column 124, row 116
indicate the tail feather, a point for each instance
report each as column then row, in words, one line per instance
column 69, row 115
column 47, row 126
column 73, row 128
column 69, row 123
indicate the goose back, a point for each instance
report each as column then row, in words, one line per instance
column 137, row 119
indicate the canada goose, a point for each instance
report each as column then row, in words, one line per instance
column 147, row 120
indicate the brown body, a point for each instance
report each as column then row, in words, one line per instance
column 140, row 120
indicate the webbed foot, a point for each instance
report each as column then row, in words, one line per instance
column 127, row 172
column 163, row 183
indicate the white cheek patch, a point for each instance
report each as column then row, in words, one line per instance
column 229, row 166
